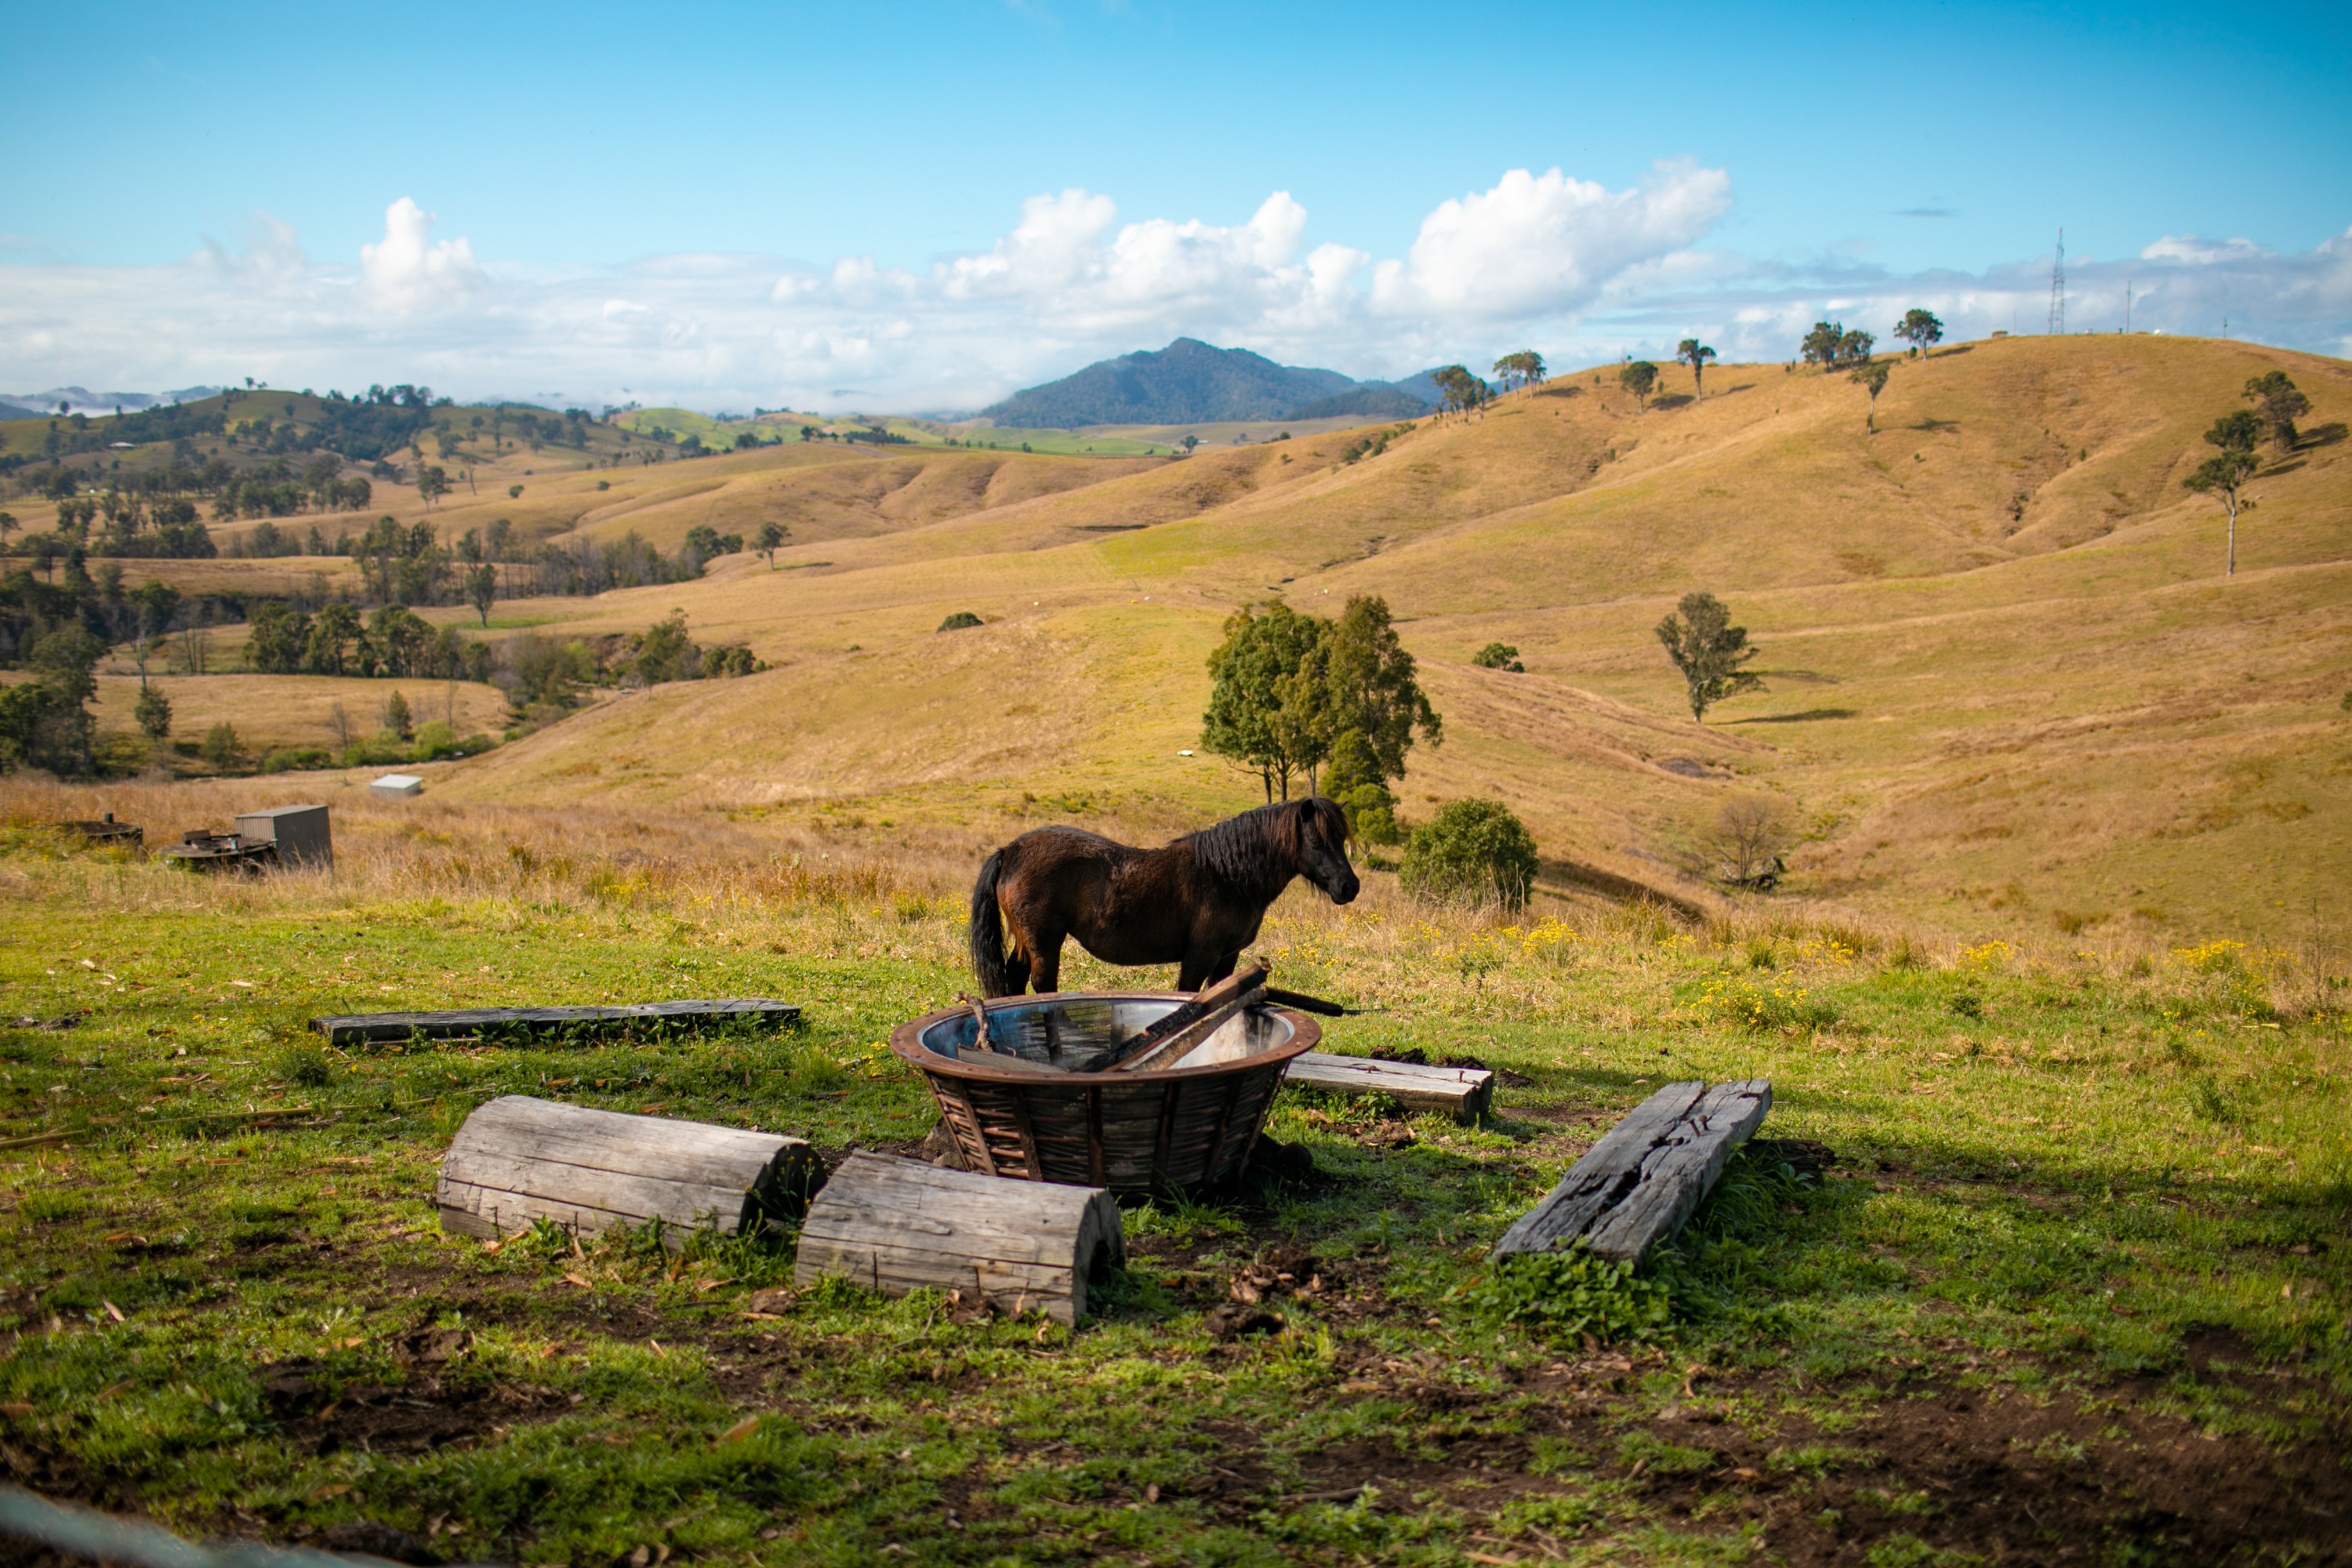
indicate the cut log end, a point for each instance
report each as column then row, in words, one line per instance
column 893, row 1225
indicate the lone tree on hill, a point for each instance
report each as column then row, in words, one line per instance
column 1461, row 390
column 432, row 484
column 2280, row 404
column 772, row 536
column 1696, row 355
column 1524, row 368
column 482, row 590
column 1871, row 378
column 1920, row 330
column 1641, row 379
column 1709, row 651
column 1292, row 692
column 2226, row 472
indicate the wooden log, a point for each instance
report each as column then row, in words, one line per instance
column 519, row 1159
column 354, row 1028
column 1185, row 1027
column 894, row 1225
column 1464, row 1093
column 1634, row 1188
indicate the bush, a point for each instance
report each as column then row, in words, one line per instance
column 435, row 739
column 960, row 620
column 1500, row 656
column 220, row 745
column 1567, row 1294
column 153, row 713
column 1473, row 851
column 292, row 759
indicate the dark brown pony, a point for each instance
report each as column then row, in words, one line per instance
column 1195, row 903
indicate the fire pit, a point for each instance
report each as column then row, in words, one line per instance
column 1190, row 1125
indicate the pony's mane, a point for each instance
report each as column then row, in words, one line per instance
column 1246, row 850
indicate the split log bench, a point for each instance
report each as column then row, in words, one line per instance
column 894, row 1225
column 1464, row 1093
column 1635, row 1187
column 497, row 1023
column 518, row 1159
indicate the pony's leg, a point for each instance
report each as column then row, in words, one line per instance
column 1200, row 969
column 1046, row 962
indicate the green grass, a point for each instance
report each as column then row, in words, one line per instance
column 2092, row 1220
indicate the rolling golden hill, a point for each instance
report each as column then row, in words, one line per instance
column 2008, row 687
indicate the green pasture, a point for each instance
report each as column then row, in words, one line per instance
column 2086, row 1211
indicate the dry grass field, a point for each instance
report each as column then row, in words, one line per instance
column 2009, row 688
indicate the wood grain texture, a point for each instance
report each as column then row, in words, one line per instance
column 1635, row 1187
column 354, row 1028
column 519, row 1158
column 1464, row 1093
column 894, row 1225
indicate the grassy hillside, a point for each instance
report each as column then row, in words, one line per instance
column 2008, row 687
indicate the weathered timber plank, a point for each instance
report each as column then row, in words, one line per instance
column 1189, row 1025
column 1681, row 1170
column 1600, row 1179
column 1636, row 1186
column 519, row 1158
column 1464, row 1093
column 354, row 1028
column 895, row 1226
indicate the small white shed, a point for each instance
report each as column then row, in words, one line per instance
column 397, row 783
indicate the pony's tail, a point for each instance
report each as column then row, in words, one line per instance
column 987, row 935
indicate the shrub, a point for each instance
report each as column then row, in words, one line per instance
column 961, row 619
column 1500, row 656
column 220, row 744
column 305, row 1064
column 292, row 759
column 435, row 739
column 1473, row 851
column 153, row 713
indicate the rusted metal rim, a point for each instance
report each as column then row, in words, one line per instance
column 906, row 1044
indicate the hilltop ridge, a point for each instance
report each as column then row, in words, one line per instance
column 1189, row 381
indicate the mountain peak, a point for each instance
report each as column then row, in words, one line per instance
column 1191, row 383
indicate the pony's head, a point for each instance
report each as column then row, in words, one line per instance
column 1321, row 829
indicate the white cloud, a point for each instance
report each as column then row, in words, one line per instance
column 1547, row 244
column 1564, row 265
column 407, row 271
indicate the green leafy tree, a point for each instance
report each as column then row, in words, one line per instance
column 772, row 538
column 1821, row 344
column 2225, row 475
column 1458, row 391
column 1362, row 679
column 1920, row 329
column 1871, row 378
column 1641, row 379
column 1498, row 656
column 1354, row 783
column 220, row 745
column 432, row 484
column 482, row 589
column 1525, row 368
column 665, row 652
column 2279, row 405
column 1474, row 852
column 1853, row 348
column 153, row 712
column 397, row 718
column 1252, row 674
column 1709, row 651
column 333, row 628
column 1696, row 355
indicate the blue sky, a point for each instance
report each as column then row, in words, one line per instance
column 672, row 173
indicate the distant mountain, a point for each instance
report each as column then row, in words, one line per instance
column 1371, row 400
column 1191, row 383
column 97, row 404
column 13, row 411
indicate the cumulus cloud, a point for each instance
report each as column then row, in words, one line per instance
column 405, row 270
column 1568, row 266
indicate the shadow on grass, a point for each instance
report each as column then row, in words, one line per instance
column 1806, row 717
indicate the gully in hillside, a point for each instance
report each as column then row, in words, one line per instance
column 1196, row 902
